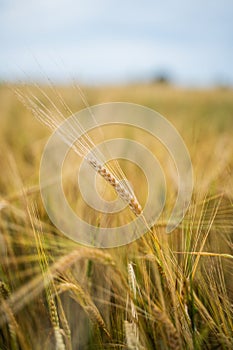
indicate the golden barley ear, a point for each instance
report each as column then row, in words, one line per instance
column 16, row 336
column 171, row 332
column 83, row 298
column 80, row 147
column 126, row 195
column 130, row 335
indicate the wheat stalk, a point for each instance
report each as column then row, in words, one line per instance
column 82, row 146
column 50, row 289
column 131, row 328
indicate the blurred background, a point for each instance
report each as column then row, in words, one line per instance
column 186, row 42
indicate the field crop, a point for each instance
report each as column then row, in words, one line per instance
column 163, row 291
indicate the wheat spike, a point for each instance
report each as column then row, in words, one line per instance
column 85, row 301
column 130, row 335
column 83, row 145
column 123, row 193
column 17, row 338
column 4, row 290
column 131, row 328
column 96, row 317
column 55, row 323
column 59, row 340
column 171, row 332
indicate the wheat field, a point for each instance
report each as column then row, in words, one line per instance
column 163, row 291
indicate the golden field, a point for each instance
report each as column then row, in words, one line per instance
column 160, row 292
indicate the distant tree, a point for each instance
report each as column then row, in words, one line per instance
column 161, row 78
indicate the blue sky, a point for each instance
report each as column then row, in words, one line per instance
column 112, row 41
